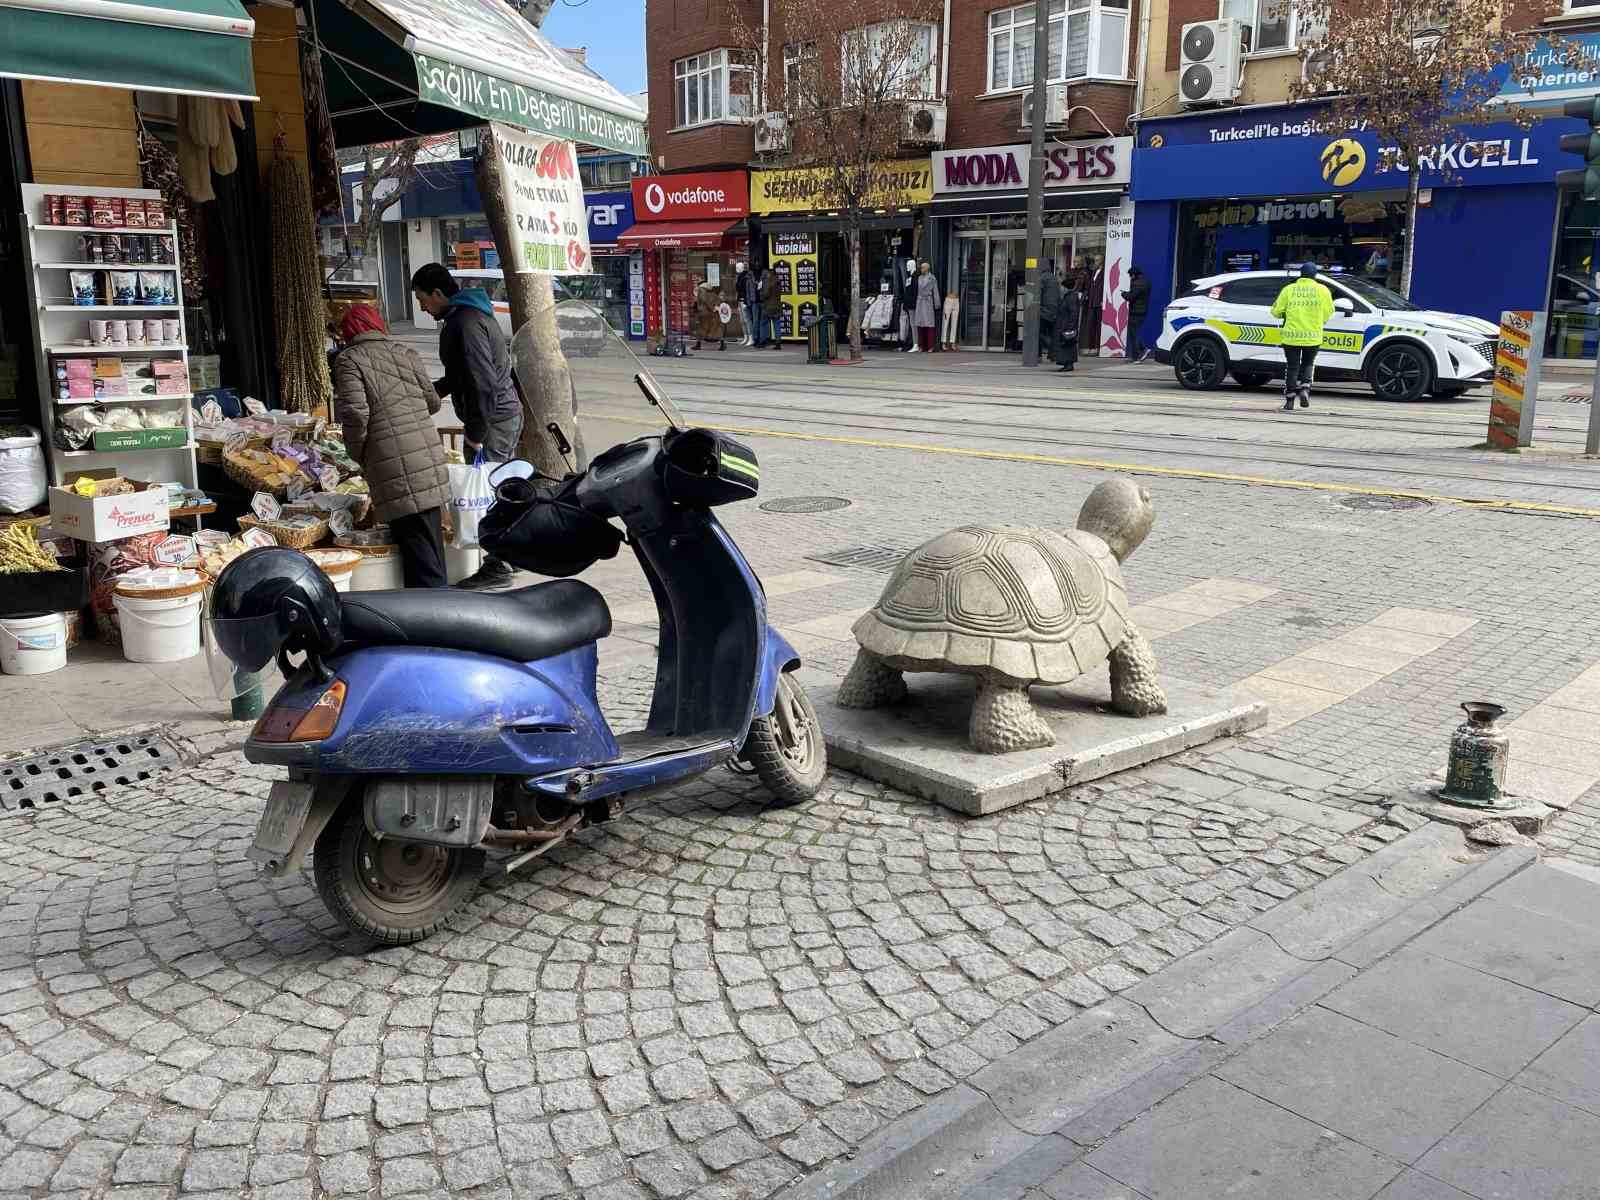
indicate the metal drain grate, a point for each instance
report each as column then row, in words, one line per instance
column 83, row 769
column 1382, row 503
column 868, row 558
column 806, row 504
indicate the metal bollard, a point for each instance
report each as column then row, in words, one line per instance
column 1479, row 754
column 247, row 706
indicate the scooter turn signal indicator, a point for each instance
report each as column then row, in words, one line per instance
column 323, row 716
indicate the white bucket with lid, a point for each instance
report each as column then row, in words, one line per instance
column 33, row 645
column 460, row 562
column 338, row 565
column 379, row 570
column 158, row 612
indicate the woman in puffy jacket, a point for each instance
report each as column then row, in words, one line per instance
column 386, row 403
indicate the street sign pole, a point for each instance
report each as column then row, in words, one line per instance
column 1035, row 242
column 1592, row 444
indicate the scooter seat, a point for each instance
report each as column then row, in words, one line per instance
column 524, row 625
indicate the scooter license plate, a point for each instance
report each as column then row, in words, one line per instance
column 288, row 807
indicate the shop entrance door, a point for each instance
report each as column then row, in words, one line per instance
column 993, row 274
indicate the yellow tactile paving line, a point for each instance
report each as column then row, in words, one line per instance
column 1555, row 745
column 1321, row 676
column 1350, row 489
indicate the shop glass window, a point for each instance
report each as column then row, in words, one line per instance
column 714, row 86
column 799, row 60
column 1275, row 24
column 1087, row 38
column 894, row 58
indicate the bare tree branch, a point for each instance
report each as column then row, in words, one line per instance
column 1414, row 74
column 846, row 105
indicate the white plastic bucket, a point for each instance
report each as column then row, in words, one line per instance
column 461, row 562
column 33, row 645
column 159, row 630
column 378, row 572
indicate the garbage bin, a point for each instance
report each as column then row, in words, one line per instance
column 821, row 336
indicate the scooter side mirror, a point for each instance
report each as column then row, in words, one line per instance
column 515, row 469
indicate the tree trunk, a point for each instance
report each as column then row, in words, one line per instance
column 1413, row 186
column 853, row 240
column 548, row 394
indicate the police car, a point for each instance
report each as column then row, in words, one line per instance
column 1224, row 326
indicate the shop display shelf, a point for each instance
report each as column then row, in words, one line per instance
column 108, row 266
column 124, row 309
column 118, row 351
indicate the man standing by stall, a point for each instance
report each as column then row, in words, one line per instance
column 477, row 378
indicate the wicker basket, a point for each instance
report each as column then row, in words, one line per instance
column 241, row 474
column 358, row 513
column 294, row 539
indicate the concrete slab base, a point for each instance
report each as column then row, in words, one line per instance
column 1524, row 815
column 920, row 745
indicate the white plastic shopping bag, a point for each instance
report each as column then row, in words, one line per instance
column 471, row 495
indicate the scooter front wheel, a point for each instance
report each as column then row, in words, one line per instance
column 786, row 748
column 394, row 892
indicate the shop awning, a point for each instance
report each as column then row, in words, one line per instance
column 193, row 47
column 396, row 68
column 997, row 203
column 673, row 235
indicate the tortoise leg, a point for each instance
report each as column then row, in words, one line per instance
column 871, row 683
column 1003, row 720
column 1134, row 689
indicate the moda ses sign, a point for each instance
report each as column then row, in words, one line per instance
column 1102, row 162
column 703, row 197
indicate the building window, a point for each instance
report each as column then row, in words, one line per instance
column 1580, row 5
column 894, row 58
column 1273, row 24
column 799, row 60
column 1093, row 32
column 714, row 86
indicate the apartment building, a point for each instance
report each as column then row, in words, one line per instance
column 955, row 192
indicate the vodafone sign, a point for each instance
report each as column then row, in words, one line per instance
column 704, row 196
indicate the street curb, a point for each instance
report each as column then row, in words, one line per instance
column 1014, row 1123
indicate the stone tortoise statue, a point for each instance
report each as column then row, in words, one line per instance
column 1014, row 607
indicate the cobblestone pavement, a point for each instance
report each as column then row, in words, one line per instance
column 708, row 998
column 702, row 998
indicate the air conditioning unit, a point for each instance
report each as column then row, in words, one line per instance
column 772, row 133
column 1055, row 107
column 924, row 123
column 1212, row 66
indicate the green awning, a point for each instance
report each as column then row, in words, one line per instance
column 395, row 68
column 194, row 47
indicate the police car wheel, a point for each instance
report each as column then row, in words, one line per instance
column 1200, row 364
column 1400, row 374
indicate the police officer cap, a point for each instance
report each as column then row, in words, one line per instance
column 1308, row 269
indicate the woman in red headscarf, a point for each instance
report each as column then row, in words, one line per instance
column 386, row 404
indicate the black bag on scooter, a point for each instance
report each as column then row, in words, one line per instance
column 704, row 468
column 540, row 527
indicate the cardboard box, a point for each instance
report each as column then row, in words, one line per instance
column 108, row 518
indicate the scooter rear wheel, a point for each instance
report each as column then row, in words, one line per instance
column 786, row 748
column 394, row 892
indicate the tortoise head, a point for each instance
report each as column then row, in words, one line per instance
column 1119, row 513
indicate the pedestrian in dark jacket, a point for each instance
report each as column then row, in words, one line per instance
column 748, row 288
column 1067, row 317
column 1138, row 298
column 386, row 405
column 477, row 378
column 772, row 308
column 1049, row 308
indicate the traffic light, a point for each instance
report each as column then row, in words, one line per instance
column 1586, row 180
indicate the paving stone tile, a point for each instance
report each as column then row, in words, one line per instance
column 1520, row 1144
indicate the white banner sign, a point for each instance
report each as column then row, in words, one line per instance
column 1118, row 261
column 550, row 218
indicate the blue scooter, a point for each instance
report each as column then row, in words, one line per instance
column 425, row 727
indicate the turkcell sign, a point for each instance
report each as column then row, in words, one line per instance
column 1102, row 162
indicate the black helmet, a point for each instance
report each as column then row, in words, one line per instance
column 270, row 598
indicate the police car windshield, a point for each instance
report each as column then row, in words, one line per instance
column 1375, row 294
